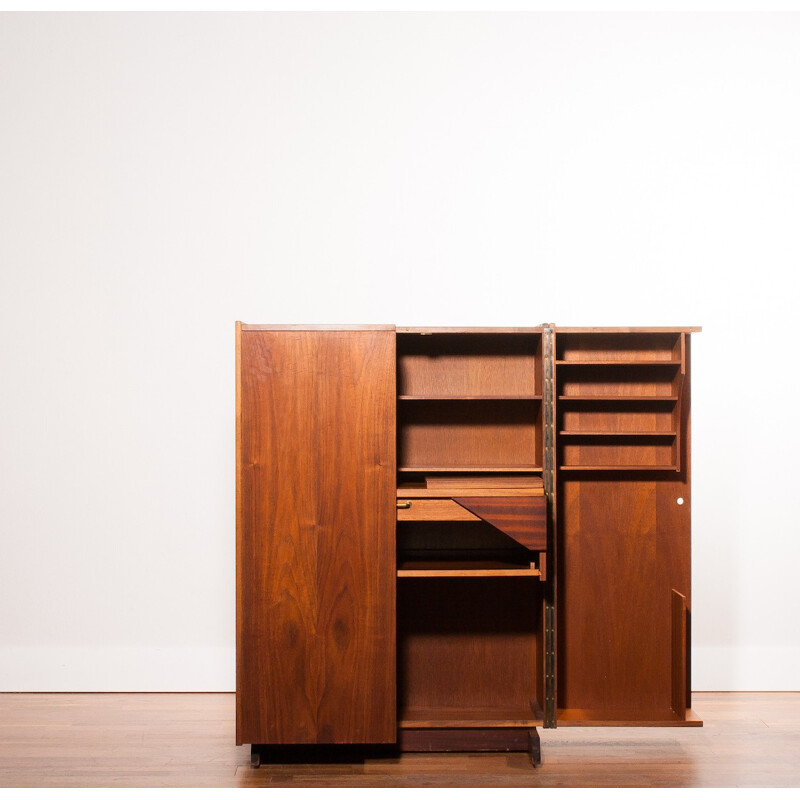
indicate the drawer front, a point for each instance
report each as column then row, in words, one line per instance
column 433, row 511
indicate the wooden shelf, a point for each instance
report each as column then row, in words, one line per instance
column 472, row 468
column 641, row 434
column 420, row 490
column 465, row 569
column 578, row 717
column 623, row 468
column 584, row 398
column 471, row 717
column 659, row 362
column 481, row 397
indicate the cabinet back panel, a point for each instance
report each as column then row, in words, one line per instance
column 618, row 381
column 315, row 544
column 467, row 365
column 623, row 548
column 468, row 643
column 633, row 417
column 464, row 433
column 603, row 454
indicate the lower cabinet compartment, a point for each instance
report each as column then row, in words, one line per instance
column 469, row 653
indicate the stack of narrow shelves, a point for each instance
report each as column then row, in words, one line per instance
column 619, row 401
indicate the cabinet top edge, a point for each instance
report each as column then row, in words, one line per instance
column 468, row 330
column 680, row 329
column 425, row 330
column 246, row 327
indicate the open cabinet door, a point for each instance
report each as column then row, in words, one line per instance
column 315, row 535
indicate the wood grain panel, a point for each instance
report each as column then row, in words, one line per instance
column 524, row 519
column 613, row 417
column 614, row 616
column 316, row 540
column 630, row 451
column 620, row 381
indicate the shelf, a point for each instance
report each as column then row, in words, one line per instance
column 578, row 717
column 472, row 468
column 640, row 434
column 584, row 398
column 623, row 468
column 481, row 397
column 420, row 490
column 465, row 569
column 618, row 363
column 471, row 717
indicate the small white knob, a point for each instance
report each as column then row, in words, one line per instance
column 679, row 501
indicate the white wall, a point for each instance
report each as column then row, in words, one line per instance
column 162, row 176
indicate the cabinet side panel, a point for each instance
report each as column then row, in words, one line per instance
column 316, row 601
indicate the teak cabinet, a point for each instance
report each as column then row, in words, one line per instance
column 447, row 538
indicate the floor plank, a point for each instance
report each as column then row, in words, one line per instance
column 142, row 740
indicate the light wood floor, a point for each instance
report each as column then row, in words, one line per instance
column 187, row 740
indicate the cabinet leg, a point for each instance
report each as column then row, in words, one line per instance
column 534, row 747
column 255, row 757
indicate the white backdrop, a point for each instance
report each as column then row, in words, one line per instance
column 164, row 175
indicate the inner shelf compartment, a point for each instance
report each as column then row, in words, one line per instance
column 469, row 365
column 641, row 416
column 619, row 347
column 460, row 549
column 640, row 381
column 469, row 435
column 630, row 451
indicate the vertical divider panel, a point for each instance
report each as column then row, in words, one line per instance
column 679, row 654
column 549, row 475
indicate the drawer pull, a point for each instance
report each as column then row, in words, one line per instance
column 404, row 504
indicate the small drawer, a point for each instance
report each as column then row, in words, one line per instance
column 413, row 510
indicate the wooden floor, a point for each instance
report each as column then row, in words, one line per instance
column 187, row 740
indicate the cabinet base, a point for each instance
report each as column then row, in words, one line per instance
column 409, row 740
column 318, row 753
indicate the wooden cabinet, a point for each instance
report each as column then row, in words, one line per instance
column 447, row 538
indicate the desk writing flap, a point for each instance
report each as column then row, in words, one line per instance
column 524, row 519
